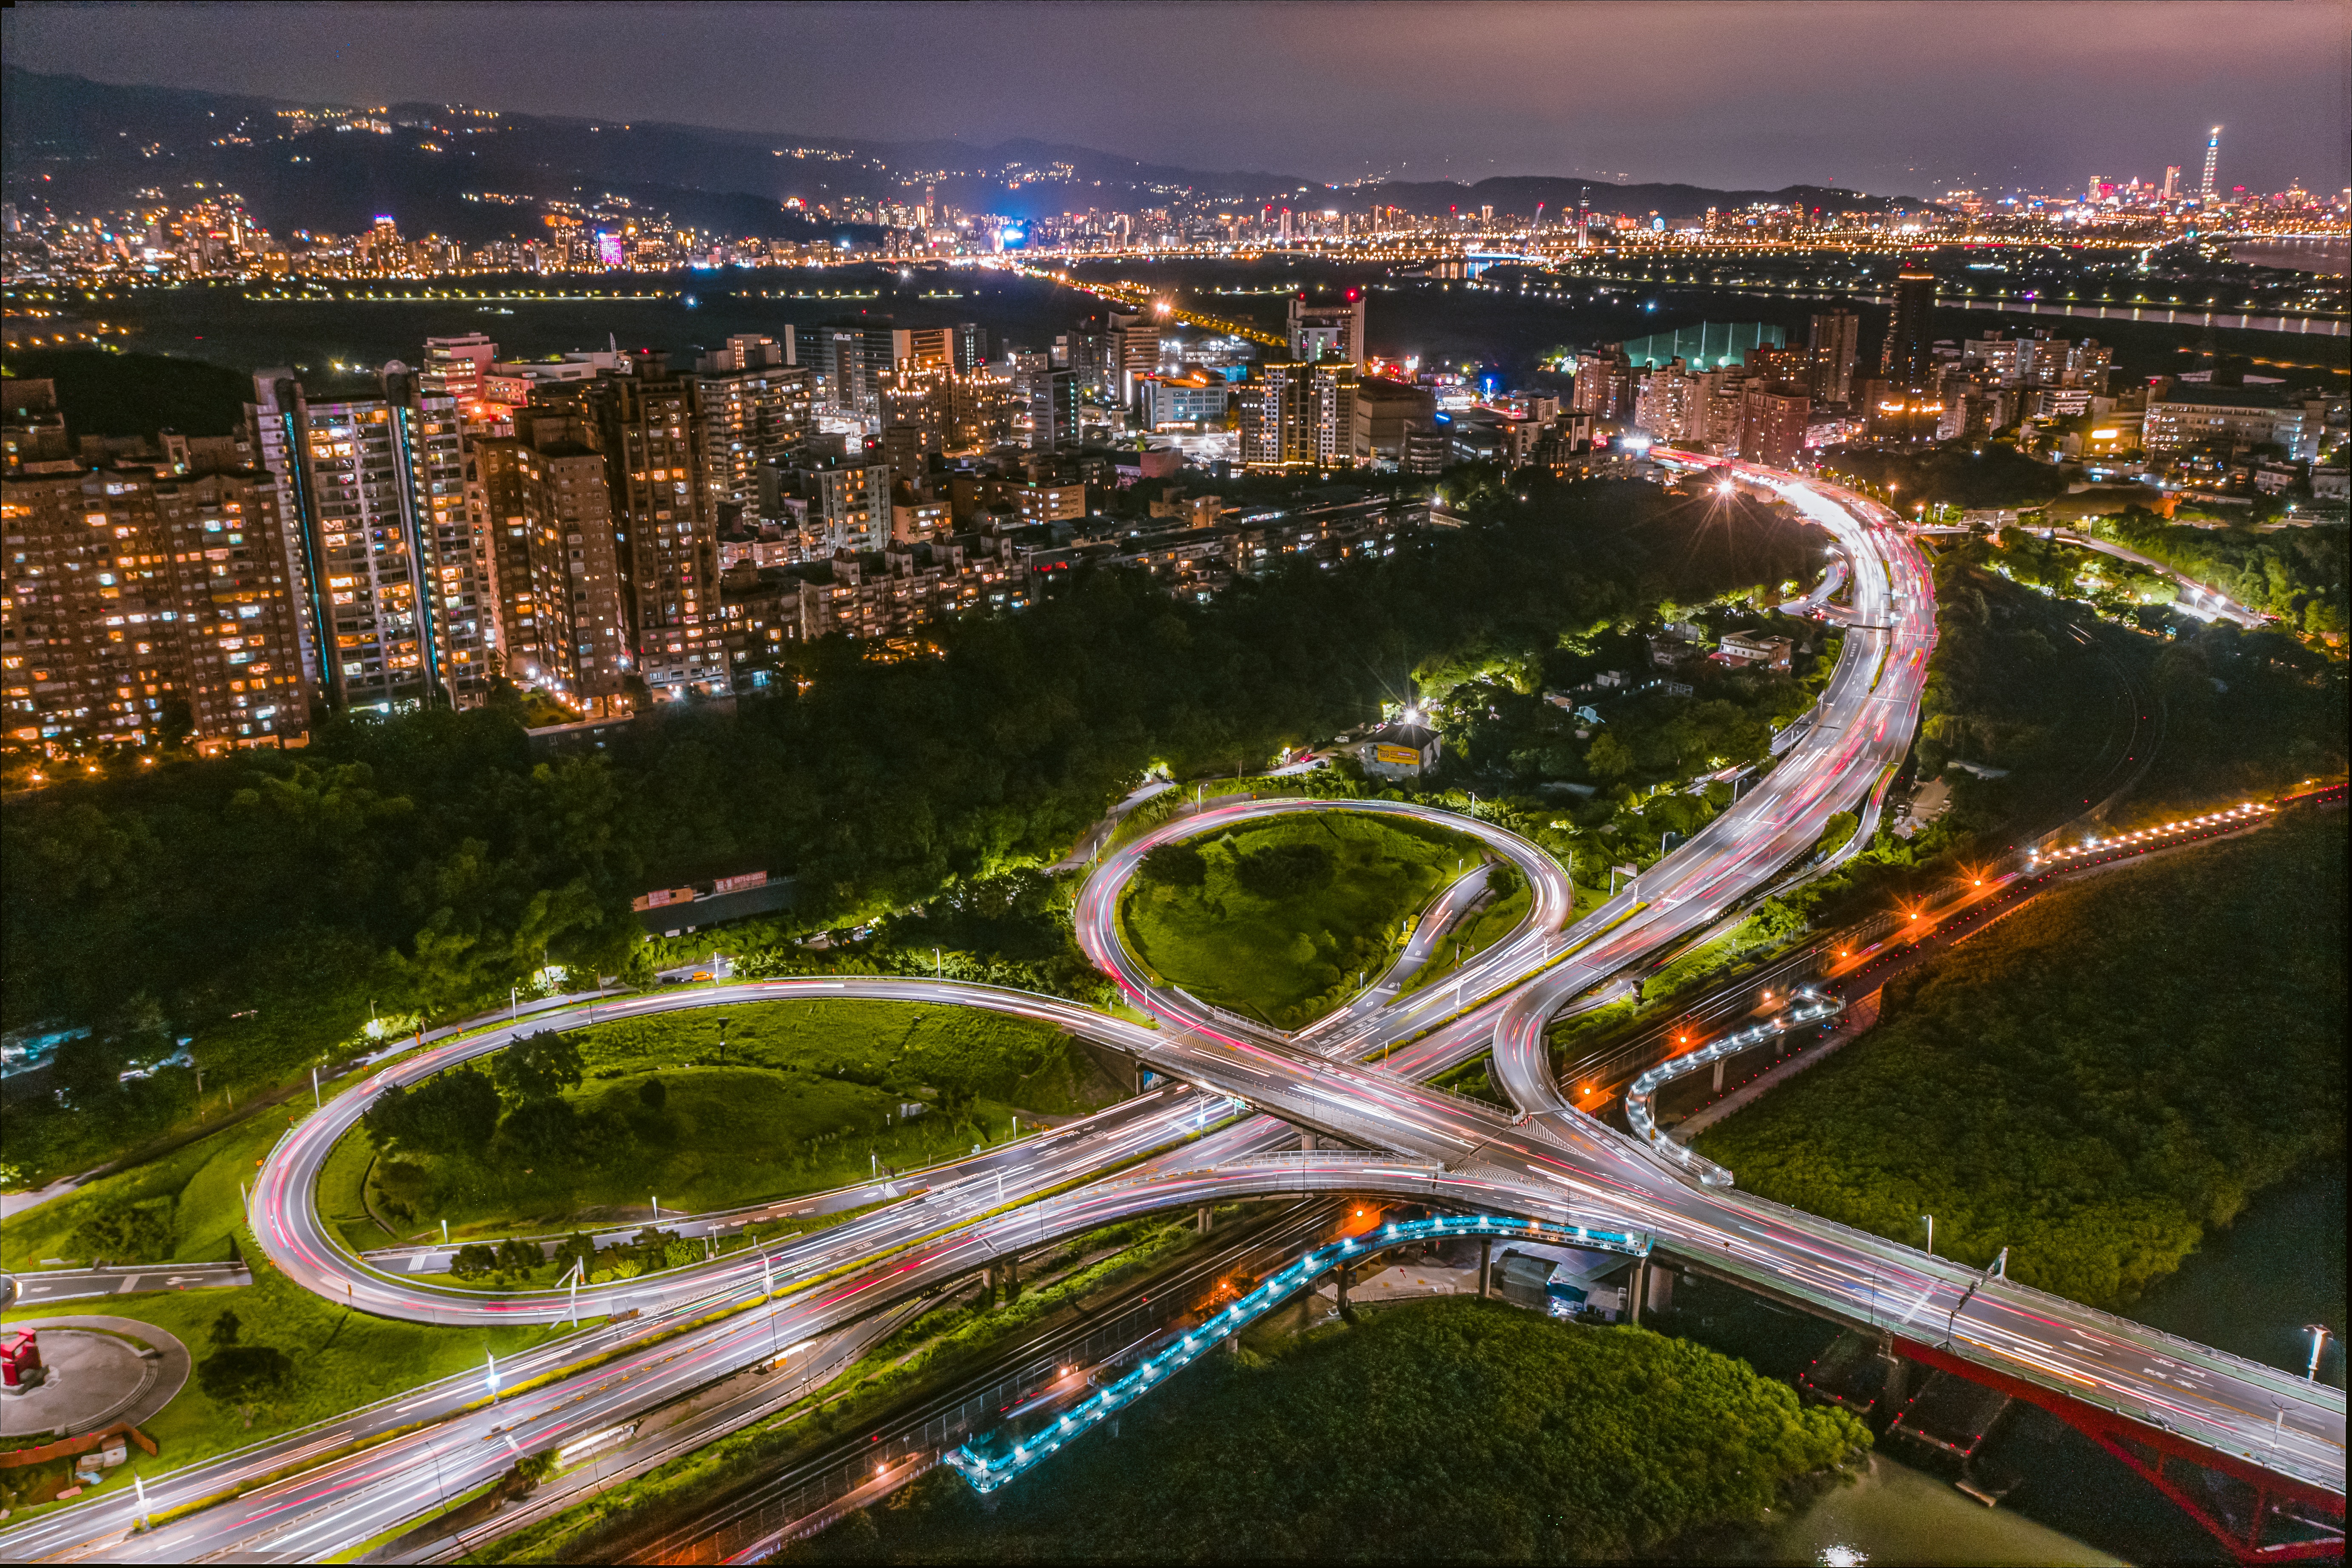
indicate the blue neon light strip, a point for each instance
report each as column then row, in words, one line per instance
column 990, row 1459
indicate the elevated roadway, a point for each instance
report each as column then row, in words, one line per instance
column 1181, row 1147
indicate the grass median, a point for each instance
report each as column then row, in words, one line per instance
column 1281, row 920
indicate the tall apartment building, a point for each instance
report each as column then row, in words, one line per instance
column 1835, row 340
column 562, row 623
column 1321, row 331
column 1909, row 357
column 1298, row 416
column 1053, row 411
column 130, row 593
column 854, row 359
column 1773, row 416
column 971, row 346
column 1272, row 417
column 840, row 504
column 1662, row 401
column 394, row 563
column 1331, row 414
column 749, row 408
column 666, row 536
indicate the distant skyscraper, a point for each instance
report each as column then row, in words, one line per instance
column 1835, row 341
column 1327, row 332
column 1909, row 354
column 2213, row 156
column 2172, row 181
column 971, row 346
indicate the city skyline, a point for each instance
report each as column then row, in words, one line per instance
column 1764, row 95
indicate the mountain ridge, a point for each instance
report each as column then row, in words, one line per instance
column 80, row 144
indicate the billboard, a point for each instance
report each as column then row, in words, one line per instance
column 1397, row 756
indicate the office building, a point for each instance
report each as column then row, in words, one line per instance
column 1908, row 358
column 1387, row 414
column 379, row 534
column 144, row 606
column 1834, row 338
column 1194, row 402
column 1135, row 353
column 2226, row 421
column 1332, row 330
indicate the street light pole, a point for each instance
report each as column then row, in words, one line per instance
column 2318, row 1332
column 1931, row 1233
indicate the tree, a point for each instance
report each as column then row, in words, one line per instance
column 238, row 1374
column 518, row 1257
column 454, row 1113
column 653, row 1094
column 473, row 1261
column 538, row 1067
column 1284, row 870
column 88, row 1070
column 126, row 1232
column 1609, row 758
column 1177, row 865
column 543, row 1129
column 225, row 1330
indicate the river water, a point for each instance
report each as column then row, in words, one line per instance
column 1896, row 1514
column 2253, row 1286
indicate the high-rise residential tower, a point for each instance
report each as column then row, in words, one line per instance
column 1908, row 355
column 1836, row 342
column 562, row 625
column 372, row 490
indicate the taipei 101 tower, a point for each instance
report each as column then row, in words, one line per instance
column 2212, row 155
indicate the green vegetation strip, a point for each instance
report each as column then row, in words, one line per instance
column 1459, row 1431
column 1281, row 919
column 935, row 1346
column 2097, row 1082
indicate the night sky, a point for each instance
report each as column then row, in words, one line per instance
column 1891, row 99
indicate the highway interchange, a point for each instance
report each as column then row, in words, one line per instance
column 1215, row 1134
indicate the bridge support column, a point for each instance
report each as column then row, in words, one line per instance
column 1897, row 1390
column 1204, row 1221
column 1636, row 1284
column 1306, row 1140
column 1486, row 1263
column 1718, row 1075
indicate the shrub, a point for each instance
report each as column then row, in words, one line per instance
column 1284, row 870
